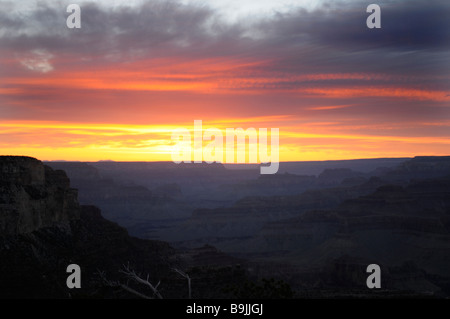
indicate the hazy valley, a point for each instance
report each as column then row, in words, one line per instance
column 315, row 226
column 304, row 219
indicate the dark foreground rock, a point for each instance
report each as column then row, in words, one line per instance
column 43, row 229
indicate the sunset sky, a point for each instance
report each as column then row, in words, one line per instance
column 136, row 70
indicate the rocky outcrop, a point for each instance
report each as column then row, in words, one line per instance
column 249, row 215
column 335, row 176
column 123, row 199
column 33, row 196
column 43, row 229
column 420, row 167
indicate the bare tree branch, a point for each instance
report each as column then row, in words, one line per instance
column 185, row 275
column 137, row 293
column 131, row 274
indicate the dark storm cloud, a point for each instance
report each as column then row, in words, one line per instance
column 414, row 39
column 406, row 25
column 148, row 29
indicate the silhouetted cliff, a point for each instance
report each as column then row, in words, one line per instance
column 33, row 196
column 43, row 229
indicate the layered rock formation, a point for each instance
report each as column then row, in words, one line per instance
column 33, row 196
column 43, row 229
column 406, row 230
column 399, row 220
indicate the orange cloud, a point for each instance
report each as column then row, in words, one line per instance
column 380, row 92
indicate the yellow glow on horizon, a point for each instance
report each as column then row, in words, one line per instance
column 123, row 142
